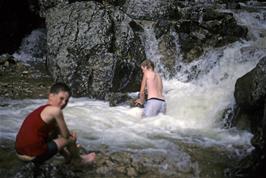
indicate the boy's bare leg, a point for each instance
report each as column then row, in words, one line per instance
column 81, row 159
column 71, row 152
column 74, row 151
column 66, row 154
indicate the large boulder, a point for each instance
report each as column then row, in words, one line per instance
column 78, row 34
column 250, row 90
column 92, row 48
column 250, row 95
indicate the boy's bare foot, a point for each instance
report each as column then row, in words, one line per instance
column 88, row 158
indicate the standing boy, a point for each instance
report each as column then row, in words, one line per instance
column 153, row 83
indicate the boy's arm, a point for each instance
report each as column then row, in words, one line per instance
column 142, row 91
column 51, row 113
column 58, row 115
column 72, row 137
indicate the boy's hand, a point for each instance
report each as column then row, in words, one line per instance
column 73, row 136
column 138, row 103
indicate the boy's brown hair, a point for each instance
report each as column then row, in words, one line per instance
column 148, row 63
column 60, row 86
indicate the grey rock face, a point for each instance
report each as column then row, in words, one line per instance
column 152, row 9
column 129, row 50
column 77, row 34
column 44, row 5
column 250, row 90
column 92, row 48
column 113, row 2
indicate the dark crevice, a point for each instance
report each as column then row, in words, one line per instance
column 17, row 20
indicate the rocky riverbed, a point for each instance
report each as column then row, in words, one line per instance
column 19, row 80
column 122, row 164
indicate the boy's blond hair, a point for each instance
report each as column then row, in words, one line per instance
column 148, row 63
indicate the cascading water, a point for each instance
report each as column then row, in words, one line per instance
column 195, row 110
column 33, row 47
column 151, row 47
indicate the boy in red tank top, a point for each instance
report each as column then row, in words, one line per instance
column 38, row 140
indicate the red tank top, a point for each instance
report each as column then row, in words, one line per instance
column 33, row 135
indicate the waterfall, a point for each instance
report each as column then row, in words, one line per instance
column 203, row 102
column 197, row 109
column 151, row 47
column 33, row 47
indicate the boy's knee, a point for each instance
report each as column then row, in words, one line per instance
column 61, row 142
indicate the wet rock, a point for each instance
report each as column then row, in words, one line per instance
column 121, row 157
column 130, row 52
column 103, row 170
column 161, row 27
column 207, row 27
column 251, row 88
column 150, row 10
column 131, row 172
column 250, row 92
column 167, row 46
column 117, row 98
column 200, row 28
column 194, row 53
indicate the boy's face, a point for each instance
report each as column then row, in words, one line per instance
column 60, row 99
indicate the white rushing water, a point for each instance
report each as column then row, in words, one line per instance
column 194, row 115
column 33, row 47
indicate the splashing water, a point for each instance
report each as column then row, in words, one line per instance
column 194, row 113
column 33, row 47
